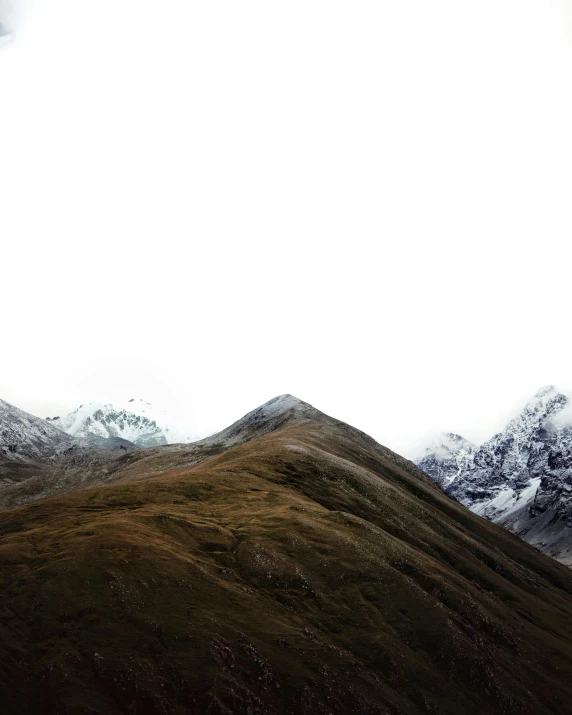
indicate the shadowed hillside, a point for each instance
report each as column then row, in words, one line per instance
column 288, row 565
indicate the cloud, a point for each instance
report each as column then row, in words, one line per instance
column 6, row 15
column 12, row 13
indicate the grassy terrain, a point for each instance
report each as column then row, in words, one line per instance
column 308, row 570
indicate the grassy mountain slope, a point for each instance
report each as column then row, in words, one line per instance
column 305, row 570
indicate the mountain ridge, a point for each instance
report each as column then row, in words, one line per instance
column 289, row 564
column 135, row 420
column 518, row 474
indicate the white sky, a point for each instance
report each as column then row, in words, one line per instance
column 367, row 204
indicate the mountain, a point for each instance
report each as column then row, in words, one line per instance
column 267, row 418
column 260, row 421
column 136, row 421
column 448, row 458
column 288, row 565
column 37, row 458
column 24, row 437
column 520, row 478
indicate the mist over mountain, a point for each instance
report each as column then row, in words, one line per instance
column 521, row 477
column 135, row 420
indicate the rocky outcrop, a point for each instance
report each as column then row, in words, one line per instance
column 519, row 475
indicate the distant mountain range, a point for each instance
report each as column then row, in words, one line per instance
column 521, row 478
column 135, row 421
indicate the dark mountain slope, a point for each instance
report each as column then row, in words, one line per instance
column 307, row 570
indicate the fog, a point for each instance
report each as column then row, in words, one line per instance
column 367, row 205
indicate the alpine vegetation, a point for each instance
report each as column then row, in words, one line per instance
column 288, row 564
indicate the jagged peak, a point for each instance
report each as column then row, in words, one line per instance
column 545, row 390
column 447, row 445
column 133, row 421
column 545, row 403
column 546, row 395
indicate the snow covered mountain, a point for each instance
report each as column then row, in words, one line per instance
column 31, row 449
column 25, row 437
column 448, row 458
column 136, row 421
column 521, row 478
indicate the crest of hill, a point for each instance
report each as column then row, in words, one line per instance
column 272, row 415
column 119, row 460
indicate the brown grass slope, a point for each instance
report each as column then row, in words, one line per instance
column 307, row 570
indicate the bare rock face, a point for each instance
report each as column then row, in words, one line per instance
column 24, row 437
column 519, row 475
column 448, row 458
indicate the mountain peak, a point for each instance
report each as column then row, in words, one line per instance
column 285, row 402
column 518, row 474
column 544, row 404
column 547, row 394
column 447, row 457
column 284, row 405
column 135, row 420
column 270, row 416
column 135, row 423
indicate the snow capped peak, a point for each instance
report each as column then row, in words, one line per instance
column 134, row 420
column 539, row 410
column 545, row 402
column 520, row 473
column 549, row 396
column 110, row 420
column 447, row 457
column 448, row 442
column 543, row 391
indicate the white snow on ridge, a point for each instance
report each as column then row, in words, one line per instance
column 506, row 501
column 24, row 436
column 134, row 420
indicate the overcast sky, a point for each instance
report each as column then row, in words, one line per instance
column 367, row 204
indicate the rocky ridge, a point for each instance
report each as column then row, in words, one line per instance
column 32, row 448
column 24, row 437
column 135, row 421
column 521, row 478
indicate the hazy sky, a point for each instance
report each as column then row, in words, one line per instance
column 367, row 204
